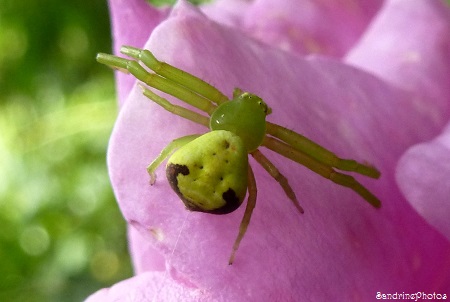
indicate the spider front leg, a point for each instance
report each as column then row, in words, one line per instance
column 166, row 78
column 169, row 149
column 178, row 110
column 175, row 74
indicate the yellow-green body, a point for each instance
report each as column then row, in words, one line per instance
column 210, row 173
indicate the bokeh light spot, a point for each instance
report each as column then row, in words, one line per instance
column 104, row 265
column 34, row 240
column 13, row 42
column 74, row 41
column 72, row 254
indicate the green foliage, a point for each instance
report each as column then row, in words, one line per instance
column 57, row 240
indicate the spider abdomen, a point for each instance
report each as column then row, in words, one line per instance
column 210, row 173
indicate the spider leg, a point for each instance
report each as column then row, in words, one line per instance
column 179, row 76
column 178, row 110
column 158, row 82
column 280, row 178
column 305, row 145
column 251, row 202
column 175, row 144
column 320, row 168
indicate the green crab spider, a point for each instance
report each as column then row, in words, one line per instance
column 210, row 172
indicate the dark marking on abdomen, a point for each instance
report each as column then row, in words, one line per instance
column 232, row 202
column 172, row 172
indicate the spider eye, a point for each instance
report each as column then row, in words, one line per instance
column 266, row 109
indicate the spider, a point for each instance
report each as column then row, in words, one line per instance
column 210, row 172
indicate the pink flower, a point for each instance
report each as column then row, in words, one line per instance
column 378, row 86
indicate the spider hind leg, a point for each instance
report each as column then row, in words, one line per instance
column 251, row 202
column 276, row 174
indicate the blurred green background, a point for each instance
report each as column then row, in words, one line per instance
column 62, row 236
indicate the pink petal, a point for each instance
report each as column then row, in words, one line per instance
column 132, row 22
column 423, row 175
column 143, row 252
column 146, row 287
column 228, row 12
column 341, row 246
column 408, row 45
column 415, row 64
column 326, row 27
